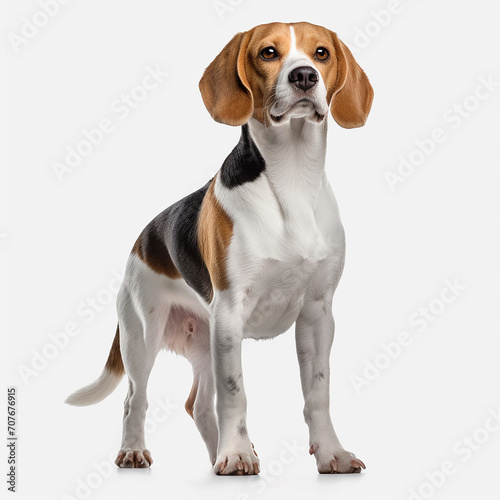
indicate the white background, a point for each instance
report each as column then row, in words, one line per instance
column 62, row 240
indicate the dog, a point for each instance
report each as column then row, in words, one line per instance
column 258, row 248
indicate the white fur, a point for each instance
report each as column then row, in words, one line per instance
column 155, row 312
column 94, row 393
column 276, row 231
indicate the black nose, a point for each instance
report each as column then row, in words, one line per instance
column 303, row 77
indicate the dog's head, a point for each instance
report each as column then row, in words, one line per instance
column 278, row 71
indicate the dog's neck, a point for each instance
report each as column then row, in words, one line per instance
column 294, row 155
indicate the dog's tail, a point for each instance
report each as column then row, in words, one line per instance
column 106, row 383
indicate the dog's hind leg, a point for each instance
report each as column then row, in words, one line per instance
column 140, row 341
column 204, row 412
column 200, row 403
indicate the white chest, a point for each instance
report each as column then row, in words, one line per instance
column 274, row 300
column 272, row 262
column 286, row 229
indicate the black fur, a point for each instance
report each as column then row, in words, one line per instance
column 244, row 163
column 182, row 242
column 177, row 226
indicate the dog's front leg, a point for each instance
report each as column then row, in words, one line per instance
column 235, row 453
column 314, row 336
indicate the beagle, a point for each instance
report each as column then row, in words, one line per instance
column 258, row 248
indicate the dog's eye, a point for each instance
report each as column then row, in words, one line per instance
column 321, row 54
column 268, row 53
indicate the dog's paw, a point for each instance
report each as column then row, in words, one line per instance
column 237, row 464
column 134, row 459
column 336, row 462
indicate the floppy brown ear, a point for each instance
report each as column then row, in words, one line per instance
column 224, row 86
column 353, row 95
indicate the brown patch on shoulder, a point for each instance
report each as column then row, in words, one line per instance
column 151, row 249
column 215, row 229
column 189, row 405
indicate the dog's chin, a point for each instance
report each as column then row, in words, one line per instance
column 303, row 108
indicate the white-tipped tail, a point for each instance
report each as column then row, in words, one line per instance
column 108, row 381
column 97, row 391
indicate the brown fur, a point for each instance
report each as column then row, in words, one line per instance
column 189, row 405
column 215, row 230
column 224, row 88
column 115, row 363
column 353, row 96
column 152, row 251
column 238, row 84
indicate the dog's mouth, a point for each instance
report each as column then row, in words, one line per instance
column 302, row 108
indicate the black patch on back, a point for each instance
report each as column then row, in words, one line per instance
column 244, row 163
column 177, row 226
column 182, row 242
